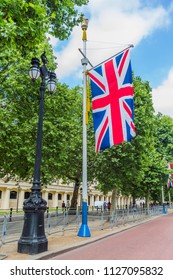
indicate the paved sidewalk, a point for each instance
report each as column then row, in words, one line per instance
column 149, row 241
column 59, row 244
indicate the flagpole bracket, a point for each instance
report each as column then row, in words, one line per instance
column 84, row 61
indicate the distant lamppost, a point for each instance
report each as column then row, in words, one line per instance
column 17, row 206
column 33, row 239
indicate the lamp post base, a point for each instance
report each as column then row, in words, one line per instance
column 33, row 239
column 84, row 229
column 164, row 209
column 32, row 247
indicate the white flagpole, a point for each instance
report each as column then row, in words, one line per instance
column 84, row 229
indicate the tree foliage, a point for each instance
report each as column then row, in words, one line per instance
column 24, row 23
column 137, row 168
column 23, row 28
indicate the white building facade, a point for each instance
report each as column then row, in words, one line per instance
column 12, row 195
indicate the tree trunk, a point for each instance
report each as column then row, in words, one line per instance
column 169, row 196
column 74, row 199
column 147, row 199
column 114, row 201
column 133, row 200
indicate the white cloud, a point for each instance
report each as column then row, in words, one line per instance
column 163, row 96
column 116, row 21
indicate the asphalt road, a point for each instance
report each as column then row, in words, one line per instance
column 150, row 241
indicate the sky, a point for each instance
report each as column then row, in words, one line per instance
column 112, row 26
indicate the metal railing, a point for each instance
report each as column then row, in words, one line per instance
column 58, row 222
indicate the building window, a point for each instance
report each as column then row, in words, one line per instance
column 13, row 195
column 59, row 196
column 49, row 196
column 68, row 196
column 0, row 194
column 27, row 195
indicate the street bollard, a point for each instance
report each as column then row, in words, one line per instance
column 11, row 212
column 47, row 212
column 56, row 210
column 4, row 230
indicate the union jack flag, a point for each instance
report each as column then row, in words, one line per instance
column 112, row 101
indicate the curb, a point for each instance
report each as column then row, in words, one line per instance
column 95, row 239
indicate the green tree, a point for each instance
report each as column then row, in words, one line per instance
column 164, row 145
column 23, row 28
column 164, row 139
column 24, row 23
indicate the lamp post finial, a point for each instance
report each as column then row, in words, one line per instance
column 84, row 26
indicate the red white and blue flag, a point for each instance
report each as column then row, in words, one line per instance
column 113, row 101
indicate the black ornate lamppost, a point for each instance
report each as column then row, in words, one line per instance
column 33, row 239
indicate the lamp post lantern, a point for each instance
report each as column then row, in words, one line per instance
column 33, row 239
